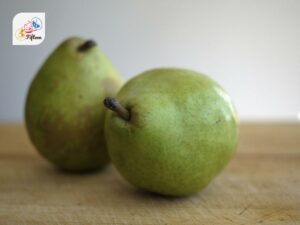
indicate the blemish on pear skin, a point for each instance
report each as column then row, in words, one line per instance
column 218, row 121
column 61, row 137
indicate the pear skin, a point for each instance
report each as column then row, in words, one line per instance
column 64, row 112
column 179, row 131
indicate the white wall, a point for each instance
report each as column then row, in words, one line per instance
column 251, row 47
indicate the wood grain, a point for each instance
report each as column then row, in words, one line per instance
column 261, row 185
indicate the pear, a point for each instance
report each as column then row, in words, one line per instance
column 170, row 131
column 64, row 112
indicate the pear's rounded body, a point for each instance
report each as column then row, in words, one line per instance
column 181, row 133
column 64, row 112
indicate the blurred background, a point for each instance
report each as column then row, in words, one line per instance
column 250, row 47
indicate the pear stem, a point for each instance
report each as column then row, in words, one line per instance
column 115, row 106
column 86, row 46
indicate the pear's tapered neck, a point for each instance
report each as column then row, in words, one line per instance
column 115, row 106
column 86, row 46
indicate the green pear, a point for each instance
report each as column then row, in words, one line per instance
column 170, row 131
column 64, row 111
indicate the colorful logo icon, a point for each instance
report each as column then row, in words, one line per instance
column 28, row 31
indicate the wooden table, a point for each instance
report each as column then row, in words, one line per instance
column 261, row 185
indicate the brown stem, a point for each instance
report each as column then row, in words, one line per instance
column 86, row 46
column 115, row 106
